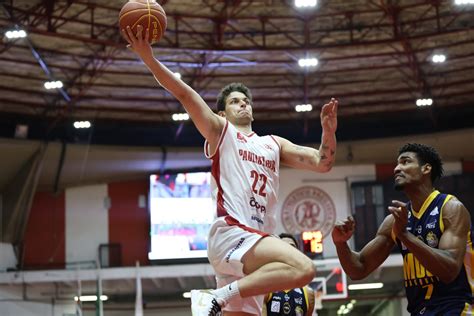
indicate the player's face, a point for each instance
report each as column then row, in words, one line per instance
column 238, row 108
column 407, row 171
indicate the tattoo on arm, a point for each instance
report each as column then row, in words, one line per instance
column 326, row 154
column 300, row 149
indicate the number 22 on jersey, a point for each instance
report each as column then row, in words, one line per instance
column 259, row 183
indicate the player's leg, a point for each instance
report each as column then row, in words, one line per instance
column 260, row 264
column 273, row 265
column 267, row 266
column 240, row 306
column 227, row 244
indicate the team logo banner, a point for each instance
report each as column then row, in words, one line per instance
column 308, row 208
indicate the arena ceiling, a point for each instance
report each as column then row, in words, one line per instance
column 374, row 56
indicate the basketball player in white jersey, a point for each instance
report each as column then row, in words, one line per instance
column 245, row 169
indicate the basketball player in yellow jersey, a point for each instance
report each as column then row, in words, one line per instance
column 434, row 234
column 294, row 302
column 248, row 261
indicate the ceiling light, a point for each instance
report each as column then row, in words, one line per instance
column 187, row 294
column 424, row 102
column 308, row 62
column 305, row 3
column 21, row 131
column 180, row 117
column 177, row 75
column 365, row 286
column 82, row 124
column 303, row 108
column 439, row 58
column 15, row 34
column 463, row 2
column 90, row 298
column 53, row 84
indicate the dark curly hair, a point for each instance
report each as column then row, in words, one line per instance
column 284, row 235
column 224, row 93
column 425, row 155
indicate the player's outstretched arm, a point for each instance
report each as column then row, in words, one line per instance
column 358, row 265
column 319, row 160
column 446, row 261
column 207, row 122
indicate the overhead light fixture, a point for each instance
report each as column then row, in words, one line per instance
column 14, row 34
column 53, row 84
column 21, row 131
column 303, row 108
column 346, row 309
column 438, row 58
column 187, row 294
column 90, row 298
column 177, row 75
column 308, row 62
column 424, row 102
column 305, row 3
column 82, row 124
column 365, row 286
column 180, row 117
column 463, row 2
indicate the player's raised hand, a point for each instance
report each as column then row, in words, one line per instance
column 137, row 42
column 329, row 116
column 343, row 230
column 400, row 213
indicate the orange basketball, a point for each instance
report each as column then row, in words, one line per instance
column 147, row 13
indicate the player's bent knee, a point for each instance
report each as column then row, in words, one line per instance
column 305, row 272
column 309, row 271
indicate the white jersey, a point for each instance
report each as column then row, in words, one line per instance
column 245, row 172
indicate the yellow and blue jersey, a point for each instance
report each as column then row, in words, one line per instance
column 295, row 302
column 426, row 293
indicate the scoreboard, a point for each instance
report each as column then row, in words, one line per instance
column 313, row 243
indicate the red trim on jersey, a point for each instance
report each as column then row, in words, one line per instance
column 250, row 135
column 216, row 173
column 233, row 222
column 273, row 137
column 206, row 150
column 221, row 137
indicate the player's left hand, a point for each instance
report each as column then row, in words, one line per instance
column 329, row 116
column 400, row 213
column 137, row 42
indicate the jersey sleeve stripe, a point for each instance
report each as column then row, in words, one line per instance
column 441, row 222
column 216, row 174
column 274, row 139
column 221, row 138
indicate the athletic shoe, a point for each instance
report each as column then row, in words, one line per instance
column 203, row 303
